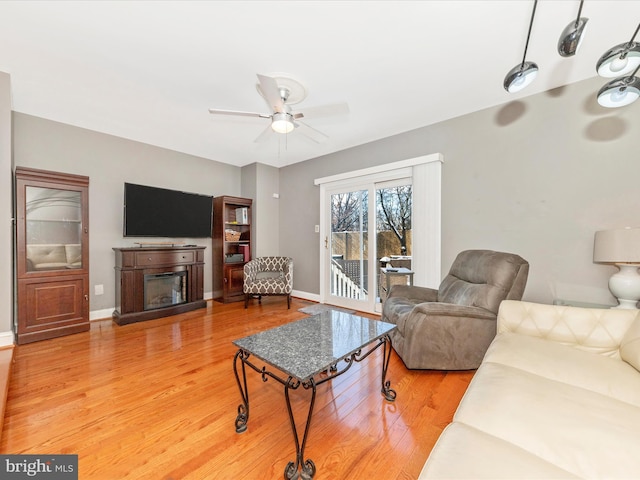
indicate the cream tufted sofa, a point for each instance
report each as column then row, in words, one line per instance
column 53, row 256
column 556, row 396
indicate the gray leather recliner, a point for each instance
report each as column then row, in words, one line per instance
column 452, row 327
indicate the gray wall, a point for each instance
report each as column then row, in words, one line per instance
column 109, row 162
column 537, row 177
column 260, row 182
column 267, row 212
column 6, row 212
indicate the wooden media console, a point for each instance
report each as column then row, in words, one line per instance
column 153, row 282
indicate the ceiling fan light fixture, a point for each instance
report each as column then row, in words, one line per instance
column 282, row 122
column 520, row 76
column 619, row 92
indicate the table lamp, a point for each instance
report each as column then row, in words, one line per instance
column 621, row 247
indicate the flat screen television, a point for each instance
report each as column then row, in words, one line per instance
column 160, row 212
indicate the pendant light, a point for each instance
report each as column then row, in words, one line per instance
column 523, row 74
column 621, row 91
column 571, row 36
column 621, row 59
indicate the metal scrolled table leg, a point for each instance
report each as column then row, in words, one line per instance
column 387, row 391
column 243, row 408
column 301, row 468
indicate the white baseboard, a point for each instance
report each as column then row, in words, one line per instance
column 313, row 297
column 6, row 339
column 100, row 314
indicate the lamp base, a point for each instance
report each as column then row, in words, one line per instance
column 625, row 286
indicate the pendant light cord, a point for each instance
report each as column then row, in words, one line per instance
column 526, row 46
column 579, row 12
column 634, row 36
column 628, row 80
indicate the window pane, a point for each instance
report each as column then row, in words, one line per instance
column 349, row 223
column 394, row 207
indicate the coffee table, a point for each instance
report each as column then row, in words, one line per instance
column 308, row 352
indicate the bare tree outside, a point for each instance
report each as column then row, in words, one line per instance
column 394, row 207
column 349, row 235
column 345, row 211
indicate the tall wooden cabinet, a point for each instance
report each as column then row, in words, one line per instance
column 231, row 242
column 52, row 254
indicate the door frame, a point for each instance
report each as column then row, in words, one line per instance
column 425, row 172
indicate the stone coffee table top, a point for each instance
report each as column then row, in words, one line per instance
column 311, row 345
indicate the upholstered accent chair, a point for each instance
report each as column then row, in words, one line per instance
column 268, row 276
column 452, row 327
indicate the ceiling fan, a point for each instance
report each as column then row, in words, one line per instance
column 280, row 93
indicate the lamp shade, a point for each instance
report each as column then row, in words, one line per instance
column 617, row 246
column 571, row 37
column 619, row 92
column 520, row 76
column 619, row 61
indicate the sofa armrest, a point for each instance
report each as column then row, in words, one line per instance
column 413, row 293
column 592, row 329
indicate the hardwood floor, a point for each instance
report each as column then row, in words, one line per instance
column 158, row 400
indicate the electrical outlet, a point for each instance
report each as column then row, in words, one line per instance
column 317, row 228
column 98, row 289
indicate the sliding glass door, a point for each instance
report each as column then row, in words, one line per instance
column 367, row 224
column 372, row 219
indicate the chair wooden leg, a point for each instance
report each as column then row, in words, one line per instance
column 288, row 302
column 246, row 300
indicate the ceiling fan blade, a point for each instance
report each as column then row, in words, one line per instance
column 323, row 111
column 217, row 111
column 310, row 132
column 271, row 92
column 264, row 136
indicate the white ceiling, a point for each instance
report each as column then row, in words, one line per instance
column 149, row 71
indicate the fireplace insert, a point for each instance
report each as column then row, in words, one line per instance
column 165, row 289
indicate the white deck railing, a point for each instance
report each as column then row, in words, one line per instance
column 342, row 285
